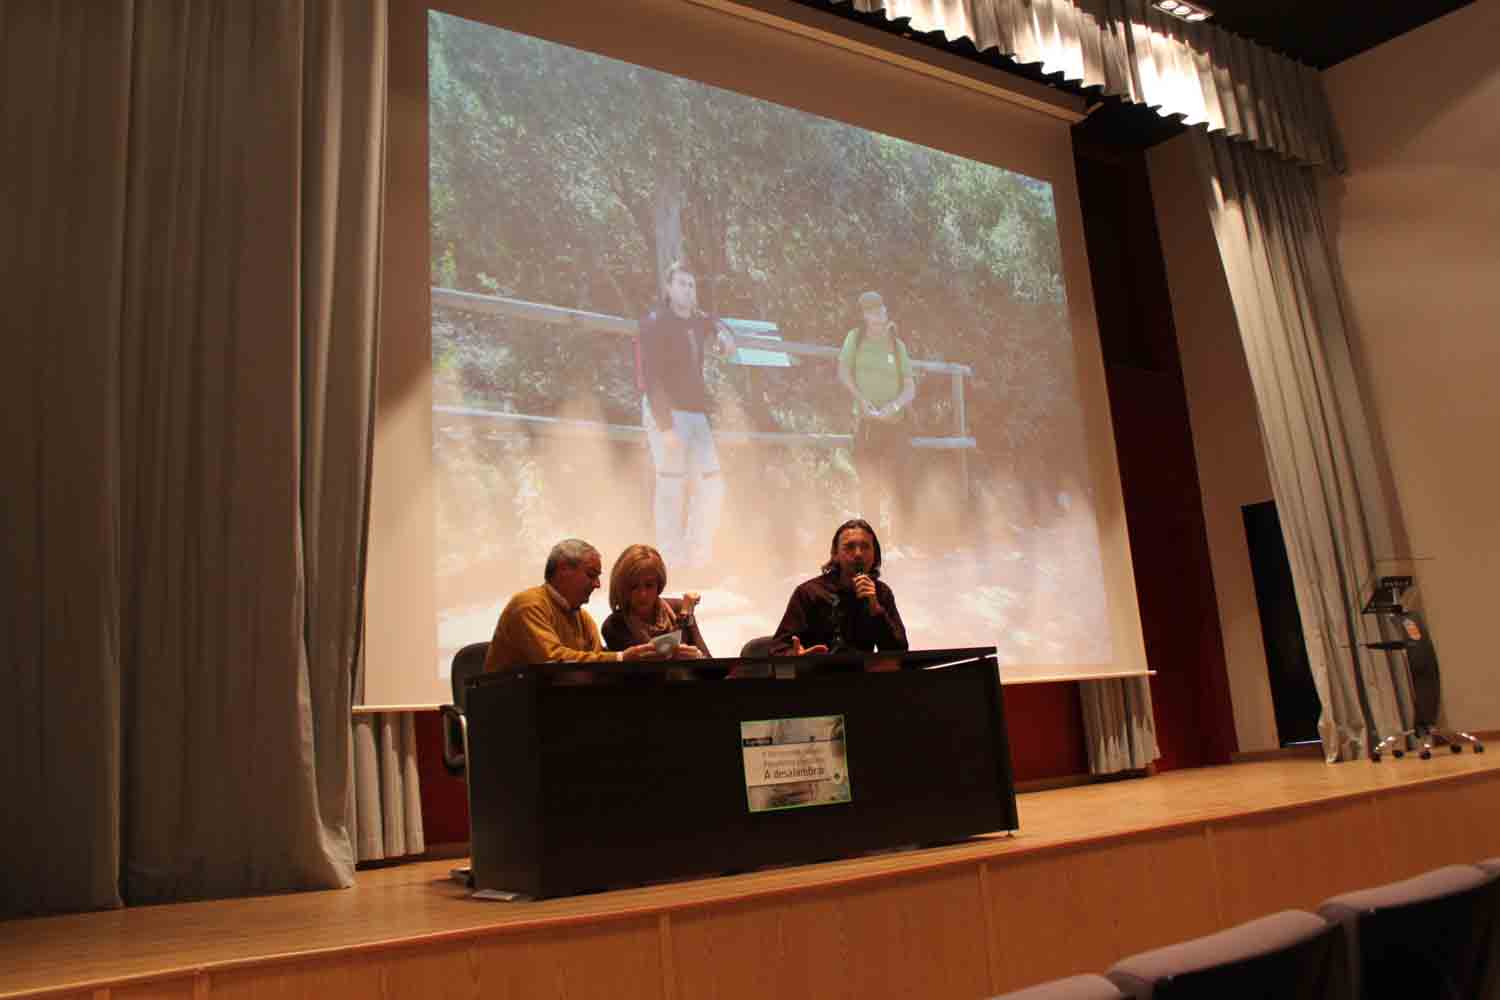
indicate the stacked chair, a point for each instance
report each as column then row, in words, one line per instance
column 1435, row 936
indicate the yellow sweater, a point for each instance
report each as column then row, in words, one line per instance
column 536, row 627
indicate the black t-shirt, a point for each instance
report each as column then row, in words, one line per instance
column 672, row 351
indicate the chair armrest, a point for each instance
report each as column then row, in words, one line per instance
column 455, row 738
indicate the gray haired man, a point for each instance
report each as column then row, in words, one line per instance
column 549, row 623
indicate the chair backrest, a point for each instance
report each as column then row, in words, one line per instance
column 1437, row 935
column 758, row 648
column 467, row 662
column 1291, row 955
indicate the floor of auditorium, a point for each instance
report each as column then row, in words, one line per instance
column 1096, row 872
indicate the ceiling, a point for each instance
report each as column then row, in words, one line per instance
column 1325, row 33
column 1317, row 33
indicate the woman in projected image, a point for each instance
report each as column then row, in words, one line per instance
column 639, row 613
column 876, row 369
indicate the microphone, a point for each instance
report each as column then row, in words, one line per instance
column 858, row 569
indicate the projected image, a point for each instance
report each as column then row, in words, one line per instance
column 672, row 314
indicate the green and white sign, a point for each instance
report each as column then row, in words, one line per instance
column 794, row 763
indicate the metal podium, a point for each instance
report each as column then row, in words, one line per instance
column 1403, row 630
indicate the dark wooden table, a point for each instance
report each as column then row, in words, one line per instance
column 637, row 778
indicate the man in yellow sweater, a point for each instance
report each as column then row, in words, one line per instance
column 548, row 624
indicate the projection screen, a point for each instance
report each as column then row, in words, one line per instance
column 843, row 323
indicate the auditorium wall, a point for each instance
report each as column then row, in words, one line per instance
column 1414, row 225
column 1416, row 228
column 1226, row 433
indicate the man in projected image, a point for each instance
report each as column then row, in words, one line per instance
column 846, row 607
column 876, row 369
column 549, row 623
column 674, row 410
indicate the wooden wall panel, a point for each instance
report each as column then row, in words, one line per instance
column 1065, row 912
column 447, row 970
column 1421, row 827
column 339, row 977
column 621, row 961
column 1295, row 859
column 180, row 988
column 918, row 936
column 615, row 961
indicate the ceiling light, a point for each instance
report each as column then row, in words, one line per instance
column 1186, row 11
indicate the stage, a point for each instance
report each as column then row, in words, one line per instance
column 1096, row 872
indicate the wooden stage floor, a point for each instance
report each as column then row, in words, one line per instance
column 1097, row 872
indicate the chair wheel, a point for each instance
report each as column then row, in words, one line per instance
column 1398, row 754
column 1426, row 754
column 1479, row 748
column 1455, row 748
column 1374, row 757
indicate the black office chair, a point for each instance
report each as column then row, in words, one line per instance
column 1290, row 955
column 467, row 662
column 758, row 648
column 1436, row 935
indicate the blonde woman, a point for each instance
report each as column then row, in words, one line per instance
column 638, row 612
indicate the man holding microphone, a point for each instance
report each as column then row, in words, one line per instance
column 846, row 608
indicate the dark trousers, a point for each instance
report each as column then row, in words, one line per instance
column 882, row 458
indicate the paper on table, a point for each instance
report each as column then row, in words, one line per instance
column 667, row 643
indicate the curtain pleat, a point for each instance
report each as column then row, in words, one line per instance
column 1133, row 51
column 62, row 223
column 389, row 810
column 197, row 263
column 1267, row 221
column 1119, row 728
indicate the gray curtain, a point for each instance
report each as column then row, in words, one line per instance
column 1131, row 50
column 1267, row 221
column 387, row 791
column 190, row 247
column 1118, row 725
